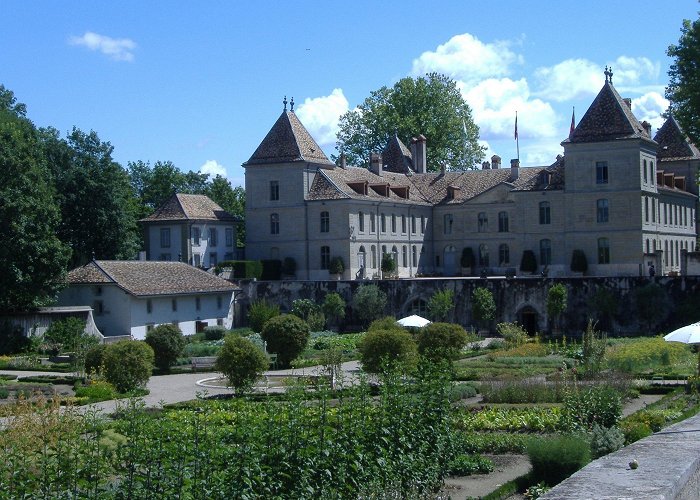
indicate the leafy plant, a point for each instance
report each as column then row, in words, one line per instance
column 214, row 332
column 260, row 312
column 388, row 264
column 466, row 465
column 167, row 343
column 650, row 354
column 441, row 341
column 593, row 348
column 94, row 359
column 387, row 349
column 512, row 333
column 333, row 307
column 605, row 440
column 533, row 419
column 96, row 390
column 241, row 362
column 128, row 364
column 336, row 266
column 12, row 338
column 441, row 304
column 483, row 305
column 286, row 336
column 584, row 407
column 556, row 301
column 368, row 303
column 555, row 459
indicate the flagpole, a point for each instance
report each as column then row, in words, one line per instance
column 517, row 138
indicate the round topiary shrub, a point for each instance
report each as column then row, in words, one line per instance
column 439, row 341
column 391, row 348
column 214, row 333
column 286, row 336
column 167, row 343
column 94, row 359
column 128, row 364
column 241, row 362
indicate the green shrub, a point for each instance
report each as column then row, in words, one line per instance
column 333, row 307
column 368, row 303
column 649, row 354
column 246, row 269
column 380, row 349
column 336, row 266
column 4, row 393
column 286, row 336
column 528, row 263
column 241, row 362
column 440, row 341
column 167, row 343
column 199, row 349
column 512, row 333
column 260, row 312
column 271, row 269
column 605, row 440
column 466, row 465
column 483, row 305
column 128, row 364
column 441, row 304
column 96, row 390
column 94, row 358
column 12, row 339
column 555, row 459
column 214, row 332
column 635, row 430
column 556, row 302
column 461, row 391
column 301, row 308
column 316, row 321
column 385, row 323
column 584, row 407
column 388, row 264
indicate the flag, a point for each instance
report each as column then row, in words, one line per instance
column 516, row 125
column 573, row 123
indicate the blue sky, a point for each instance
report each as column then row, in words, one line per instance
column 200, row 83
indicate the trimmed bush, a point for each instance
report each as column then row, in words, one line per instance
column 385, row 323
column 94, row 358
column 440, row 341
column 214, row 332
column 605, row 440
column 380, row 349
column 333, row 307
column 271, row 269
column 241, row 362
column 555, row 459
column 388, row 264
column 247, row 269
column 336, row 266
column 260, row 312
column 368, row 303
column 286, row 336
column 128, row 364
column 167, row 343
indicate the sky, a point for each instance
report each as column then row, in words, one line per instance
column 201, row 83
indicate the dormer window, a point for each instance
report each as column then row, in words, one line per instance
column 359, row 187
column 381, row 189
column 400, row 191
column 452, row 192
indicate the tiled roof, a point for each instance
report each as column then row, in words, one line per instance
column 397, row 158
column 190, row 207
column 145, row 278
column 608, row 118
column 288, row 141
column 673, row 143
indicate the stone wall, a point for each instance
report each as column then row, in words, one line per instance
column 624, row 305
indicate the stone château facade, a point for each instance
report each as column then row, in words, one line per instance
column 619, row 196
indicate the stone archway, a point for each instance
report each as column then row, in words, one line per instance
column 529, row 319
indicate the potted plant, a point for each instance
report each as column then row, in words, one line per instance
column 388, row 265
column 336, row 266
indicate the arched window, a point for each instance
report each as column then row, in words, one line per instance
column 483, row 255
column 325, row 222
column 603, row 251
column 545, row 252
column 404, row 256
column 503, row 255
column 483, row 222
column 395, row 254
column 602, row 212
column 325, row 257
column 503, row 222
column 373, row 256
column 361, row 219
column 545, row 213
column 274, row 224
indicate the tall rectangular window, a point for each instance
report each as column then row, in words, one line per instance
column 482, row 222
column 173, row 304
column 503, row 255
column 503, row 222
column 645, row 171
column 601, row 172
column 274, row 224
column 545, row 213
column 372, row 224
column 325, row 257
column 165, row 237
column 545, row 252
column 414, row 256
column 646, row 209
column 403, row 224
column 212, row 259
column 274, row 190
column 361, row 219
column 393, row 223
column 602, row 212
column 383, row 223
column 404, row 256
column 447, row 219
column 603, row 251
column 413, row 224
column 212, row 236
column 422, row 224
column 197, row 303
column 229, row 236
column 196, row 235
column 149, row 306
column 325, row 222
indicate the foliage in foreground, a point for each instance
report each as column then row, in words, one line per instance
column 399, row 441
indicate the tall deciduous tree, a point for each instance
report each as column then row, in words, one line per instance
column 32, row 258
column 431, row 105
column 684, row 87
column 231, row 199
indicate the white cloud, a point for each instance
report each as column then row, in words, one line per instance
column 464, row 57
column 119, row 49
column 213, row 168
column 570, row 79
column 320, row 116
column 633, row 70
column 649, row 107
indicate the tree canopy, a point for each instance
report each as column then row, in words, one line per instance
column 431, row 105
column 684, row 86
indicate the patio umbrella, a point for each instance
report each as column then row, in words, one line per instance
column 688, row 335
column 414, row 321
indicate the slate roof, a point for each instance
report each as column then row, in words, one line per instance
column 608, row 118
column 182, row 207
column 397, row 157
column 288, row 141
column 673, row 143
column 147, row 278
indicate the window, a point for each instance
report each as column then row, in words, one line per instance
column 212, row 259
column 98, row 290
column 545, row 252
column 413, row 224
column 165, row 237
column 503, row 222
column 448, row 224
column 647, row 245
column 325, row 222
column 274, row 224
column 653, row 210
column 483, row 255
column 545, row 213
column 98, row 307
column 601, row 172
column 393, row 223
column 219, row 301
column 173, row 304
column 229, row 236
column 503, row 255
column 361, row 218
column 483, row 222
column 665, row 214
column 422, row 224
column 274, row 190
column 197, row 260
column 149, row 306
column 652, row 173
column 197, row 303
column 404, row 256
column 325, row 257
column 373, row 256
column 212, row 236
column 372, row 224
column 196, row 236
column 602, row 210
column 645, row 171
column 403, row 224
column 646, row 209
column 383, row 223
column 603, row 251
column 395, row 254
column 414, row 256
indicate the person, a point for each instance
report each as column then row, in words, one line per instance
column 652, row 270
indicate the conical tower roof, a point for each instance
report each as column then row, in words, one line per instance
column 396, row 157
column 608, row 118
column 673, row 143
column 288, row 141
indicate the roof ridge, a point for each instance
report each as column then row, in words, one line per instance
column 100, row 268
column 332, row 182
column 179, row 202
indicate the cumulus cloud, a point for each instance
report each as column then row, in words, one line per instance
column 568, row 80
column 650, row 107
column 213, row 168
column 320, row 116
column 466, row 58
column 119, row 49
column 634, row 70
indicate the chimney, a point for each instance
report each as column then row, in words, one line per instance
column 514, row 169
column 343, row 161
column 485, row 166
column 647, row 127
column 375, row 163
column 413, row 150
column 628, row 101
column 495, row 161
column 443, row 169
column 420, row 158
